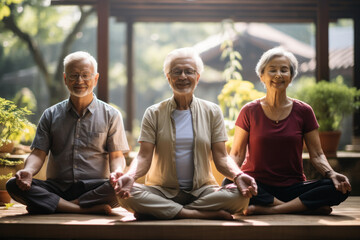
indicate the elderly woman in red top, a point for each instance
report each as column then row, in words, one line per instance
column 268, row 146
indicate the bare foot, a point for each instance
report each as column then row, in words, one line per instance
column 254, row 210
column 191, row 213
column 98, row 209
column 325, row 210
column 75, row 201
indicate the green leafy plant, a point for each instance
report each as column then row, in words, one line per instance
column 6, row 176
column 8, row 205
column 3, row 179
column 331, row 101
column 14, row 125
column 236, row 92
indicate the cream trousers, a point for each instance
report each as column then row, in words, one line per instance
column 151, row 201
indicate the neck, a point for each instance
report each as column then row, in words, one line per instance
column 276, row 99
column 80, row 103
column 183, row 101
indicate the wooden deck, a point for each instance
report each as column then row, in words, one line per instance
column 343, row 223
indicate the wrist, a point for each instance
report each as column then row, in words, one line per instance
column 327, row 174
column 237, row 175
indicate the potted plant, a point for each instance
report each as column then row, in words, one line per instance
column 331, row 102
column 14, row 128
column 14, row 125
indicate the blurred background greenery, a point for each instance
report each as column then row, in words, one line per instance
column 36, row 36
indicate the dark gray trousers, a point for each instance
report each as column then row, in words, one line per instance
column 43, row 196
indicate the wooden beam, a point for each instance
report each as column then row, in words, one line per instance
column 129, row 72
column 103, row 48
column 322, row 41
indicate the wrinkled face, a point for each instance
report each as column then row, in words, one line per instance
column 277, row 75
column 80, row 78
column 183, row 77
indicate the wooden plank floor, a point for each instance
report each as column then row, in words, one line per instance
column 343, row 223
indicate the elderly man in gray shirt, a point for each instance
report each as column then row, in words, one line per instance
column 85, row 140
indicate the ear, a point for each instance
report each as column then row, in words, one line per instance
column 261, row 78
column 197, row 78
column 64, row 75
column 96, row 79
column 168, row 78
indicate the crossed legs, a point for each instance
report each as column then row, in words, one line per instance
column 45, row 198
column 312, row 197
column 212, row 203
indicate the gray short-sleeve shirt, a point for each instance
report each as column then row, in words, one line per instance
column 79, row 146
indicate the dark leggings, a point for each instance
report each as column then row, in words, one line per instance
column 313, row 194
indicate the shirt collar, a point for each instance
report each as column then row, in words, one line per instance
column 174, row 105
column 92, row 105
column 91, row 108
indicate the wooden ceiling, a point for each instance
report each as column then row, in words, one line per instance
column 217, row 10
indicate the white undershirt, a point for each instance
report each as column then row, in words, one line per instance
column 184, row 148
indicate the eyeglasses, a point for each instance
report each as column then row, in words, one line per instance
column 178, row 72
column 84, row 76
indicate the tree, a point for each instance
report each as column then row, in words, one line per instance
column 35, row 40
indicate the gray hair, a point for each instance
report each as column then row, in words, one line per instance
column 277, row 52
column 187, row 52
column 77, row 56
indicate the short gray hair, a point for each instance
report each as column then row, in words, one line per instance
column 187, row 52
column 277, row 52
column 80, row 55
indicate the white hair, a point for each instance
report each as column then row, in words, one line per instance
column 80, row 55
column 277, row 52
column 187, row 52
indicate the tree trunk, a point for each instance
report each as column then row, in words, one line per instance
column 54, row 83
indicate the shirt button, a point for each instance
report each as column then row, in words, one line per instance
column 77, row 136
column 75, row 166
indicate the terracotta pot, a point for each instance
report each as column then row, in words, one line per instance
column 7, row 148
column 330, row 142
column 4, row 197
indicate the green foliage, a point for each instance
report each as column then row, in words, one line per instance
column 233, row 66
column 5, row 9
column 8, row 205
column 14, row 126
column 6, row 176
column 331, row 101
column 25, row 98
column 9, row 163
column 236, row 92
column 37, row 34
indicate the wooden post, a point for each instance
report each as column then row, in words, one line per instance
column 356, row 77
column 322, row 41
column 130, row 82
column 103, row 48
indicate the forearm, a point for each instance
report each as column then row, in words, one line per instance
column 321, row 164
column 117, row 162
column 228, row 168
column 138, row 167
column 33, row 164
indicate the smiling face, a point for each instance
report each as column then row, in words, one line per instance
column 79, row 87
column 277, row 75
column 183, row 77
